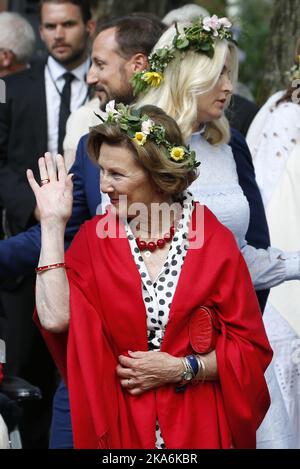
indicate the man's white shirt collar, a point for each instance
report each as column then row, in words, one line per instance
column 57, row 70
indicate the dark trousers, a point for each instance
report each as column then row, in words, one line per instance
column 61, row 429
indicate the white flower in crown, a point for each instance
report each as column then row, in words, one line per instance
column 110, row 113
column 225, row 22
column 110, row 108
column 147, row 126
column 212, row 23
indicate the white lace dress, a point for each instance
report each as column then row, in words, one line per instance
column 272, row 137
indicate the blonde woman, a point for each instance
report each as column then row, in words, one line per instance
column 192, row 76
column 194, row 89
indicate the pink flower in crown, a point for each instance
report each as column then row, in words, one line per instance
column 225, row 22
column 212, row 23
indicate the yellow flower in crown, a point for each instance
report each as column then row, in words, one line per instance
column 153, row 78
column 177, row 153
column 140, row 138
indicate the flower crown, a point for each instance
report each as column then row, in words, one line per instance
column 140, row 128
column 200, row 36
column 294, row 72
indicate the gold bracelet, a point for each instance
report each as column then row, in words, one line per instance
column 204, row 371
column 184, row 363
column 201, row 375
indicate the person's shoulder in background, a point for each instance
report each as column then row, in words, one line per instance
column 78, row 125
column 241, row 112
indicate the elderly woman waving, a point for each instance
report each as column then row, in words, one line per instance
column 122, row 311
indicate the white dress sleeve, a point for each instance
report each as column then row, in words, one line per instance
column 270, row 267
column 218, row 188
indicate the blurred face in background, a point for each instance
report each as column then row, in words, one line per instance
column 65, row 34
column 6, row 57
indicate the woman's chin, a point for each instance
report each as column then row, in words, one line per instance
column 117, row 210
column 217, row 114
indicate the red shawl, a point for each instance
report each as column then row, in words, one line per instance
column 108, row 318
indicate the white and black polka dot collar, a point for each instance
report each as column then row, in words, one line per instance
column 180, row 234
column 158, row 295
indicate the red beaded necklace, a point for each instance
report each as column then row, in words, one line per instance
column 160, row 243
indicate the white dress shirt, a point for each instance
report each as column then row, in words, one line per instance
column 54, row 85
column 78, row 125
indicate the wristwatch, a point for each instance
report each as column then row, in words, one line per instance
column 187, row 374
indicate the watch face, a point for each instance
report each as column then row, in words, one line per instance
column 187, row 376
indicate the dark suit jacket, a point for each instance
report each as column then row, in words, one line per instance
column 23, row 139
column 241, row 113
column 19, row 254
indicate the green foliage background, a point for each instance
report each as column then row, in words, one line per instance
column 254, row 21
column 255, row 29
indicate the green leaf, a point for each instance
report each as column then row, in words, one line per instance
column 182, row 43
column 136, row 112
column 161, row 52
column 206, row 46
column 133, row 119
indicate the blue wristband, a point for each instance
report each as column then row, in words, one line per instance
column 193, row 363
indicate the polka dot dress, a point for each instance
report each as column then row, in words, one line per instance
column 158, row 295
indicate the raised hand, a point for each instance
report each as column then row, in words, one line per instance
column 54, row 197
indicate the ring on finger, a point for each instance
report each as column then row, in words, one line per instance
column 45, row 181
column 130, row 382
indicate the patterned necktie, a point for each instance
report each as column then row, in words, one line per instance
column 64, row 110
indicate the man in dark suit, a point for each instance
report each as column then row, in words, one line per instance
column 20, row 253
column 32, row 121
column 17, row 40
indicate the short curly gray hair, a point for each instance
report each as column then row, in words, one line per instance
column 17, row 35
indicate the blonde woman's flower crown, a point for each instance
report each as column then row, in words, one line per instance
column 200, row 36
column 140, row 128
column 294, row 72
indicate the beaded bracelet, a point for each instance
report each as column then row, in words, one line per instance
column 44, row 268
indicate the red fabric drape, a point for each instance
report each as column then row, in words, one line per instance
column 108, row 318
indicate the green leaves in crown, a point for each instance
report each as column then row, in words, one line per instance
column 140, row 128
column 200, row 36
